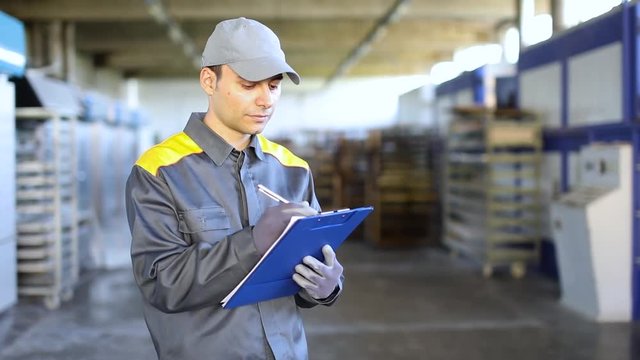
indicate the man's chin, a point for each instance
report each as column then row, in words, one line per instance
column 257, row 130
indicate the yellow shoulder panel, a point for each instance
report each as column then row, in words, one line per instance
column 286, row 157
column 168, row 152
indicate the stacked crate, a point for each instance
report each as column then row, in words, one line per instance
column 317, row 148
column 350, row 161
column 401, row 186
column 322, row 167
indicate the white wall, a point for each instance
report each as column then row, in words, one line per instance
column 169, row 102
column 595, row 97
column 8, row 294
column 345, row 105
column 540, row 91
column 417, row 107
column 106, row 81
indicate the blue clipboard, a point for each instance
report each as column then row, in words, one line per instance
column 271, row 277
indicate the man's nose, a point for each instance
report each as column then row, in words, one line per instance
column 265, row 97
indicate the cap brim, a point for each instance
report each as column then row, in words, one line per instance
column 263, row 68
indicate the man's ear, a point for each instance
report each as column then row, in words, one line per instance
column 207, row 80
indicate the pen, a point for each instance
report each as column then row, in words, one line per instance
column 263, row 189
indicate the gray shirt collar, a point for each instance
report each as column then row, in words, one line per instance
column 211, row 143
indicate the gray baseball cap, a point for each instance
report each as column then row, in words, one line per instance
column 250, row 48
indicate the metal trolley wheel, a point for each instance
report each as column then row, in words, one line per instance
column 518, row 270
column 487, row 271
column 67, row 294
column 52, row 302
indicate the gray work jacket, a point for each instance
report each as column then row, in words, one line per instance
column 191, row 205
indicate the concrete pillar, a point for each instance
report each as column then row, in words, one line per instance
column 52, row 48
column 557, row 14
column 69, row 58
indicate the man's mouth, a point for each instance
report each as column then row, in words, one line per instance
column 260, row 116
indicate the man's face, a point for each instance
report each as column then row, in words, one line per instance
column 243, row 107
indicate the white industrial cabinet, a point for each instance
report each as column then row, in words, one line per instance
column 8, row 293
column 591, row 226
column 46, row 205
column 12, row 63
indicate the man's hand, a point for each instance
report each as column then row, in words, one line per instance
column 317, row 278
column 273, row 221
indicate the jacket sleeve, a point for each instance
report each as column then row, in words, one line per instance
column 173, row 274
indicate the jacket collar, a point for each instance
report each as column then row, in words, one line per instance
column 213, row 144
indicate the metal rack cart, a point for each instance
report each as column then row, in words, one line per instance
column 46, row 205
column 492, row 187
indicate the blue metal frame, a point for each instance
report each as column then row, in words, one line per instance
column 572, row 139
column 592, row 34
column 617, row 25
column 467, row 80
column 630, row 109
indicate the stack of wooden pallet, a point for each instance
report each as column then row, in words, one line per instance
column 401, row 185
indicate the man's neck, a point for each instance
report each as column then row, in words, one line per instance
column 238, row 140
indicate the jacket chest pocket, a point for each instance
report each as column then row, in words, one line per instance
column 205, row 219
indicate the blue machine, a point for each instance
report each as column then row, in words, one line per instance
column 585, row 84
column 12, row 63
column 13, row 58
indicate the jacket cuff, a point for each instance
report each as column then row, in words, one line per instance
column 326, row 301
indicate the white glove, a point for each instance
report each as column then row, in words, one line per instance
column 317, row 278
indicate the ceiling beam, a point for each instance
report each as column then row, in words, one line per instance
column 75, row 10
column 174, row 31
column 263, row 10
column 394, row 12
column 338, row 9
column 321, row 38
column 294, row 35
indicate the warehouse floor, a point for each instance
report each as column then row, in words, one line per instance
column 397, row 304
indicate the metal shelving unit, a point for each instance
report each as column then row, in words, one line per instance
column 47, row 224
column 492, row 191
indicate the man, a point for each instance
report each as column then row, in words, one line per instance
column 199, row 225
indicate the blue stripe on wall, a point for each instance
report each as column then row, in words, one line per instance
column 594, row 33
column 466, row 80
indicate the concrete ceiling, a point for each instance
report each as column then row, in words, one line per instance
column 321, row 38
